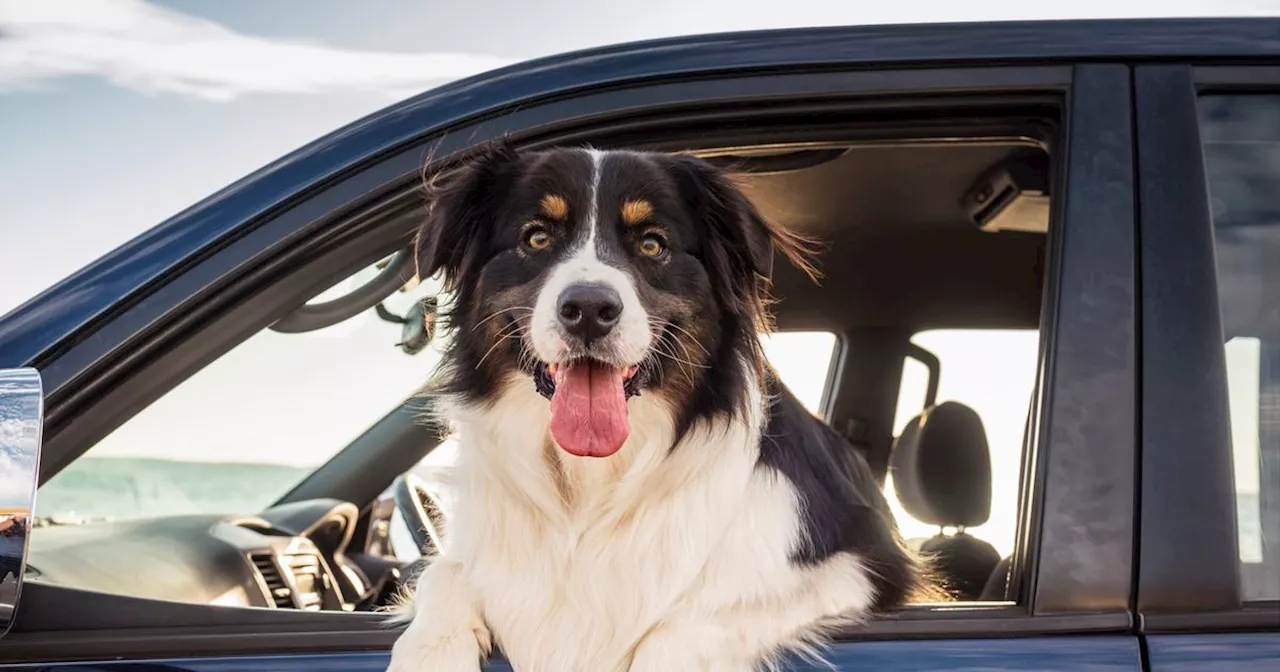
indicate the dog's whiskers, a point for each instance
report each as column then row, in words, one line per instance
column 496, row 313
column 525, row 360
column 662, row 322
column 515, row 330
column 663, row 348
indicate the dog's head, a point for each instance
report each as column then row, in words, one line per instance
column 599, row 276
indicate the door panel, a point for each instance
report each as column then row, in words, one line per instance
column 1043, row 654
column 1221, row 653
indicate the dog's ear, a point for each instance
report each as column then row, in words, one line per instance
column 739, row 242
column 461, row 203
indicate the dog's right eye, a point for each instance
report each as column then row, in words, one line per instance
column 537, row 238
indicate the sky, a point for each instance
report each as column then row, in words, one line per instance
column 115, row 114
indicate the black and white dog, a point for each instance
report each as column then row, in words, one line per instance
column 636, row 490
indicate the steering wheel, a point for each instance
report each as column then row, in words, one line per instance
column 422, row 513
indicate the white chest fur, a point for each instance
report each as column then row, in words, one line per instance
column 641, row 561
column 574, row 560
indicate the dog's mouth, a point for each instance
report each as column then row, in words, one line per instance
column 588, row 404
column 544, row 376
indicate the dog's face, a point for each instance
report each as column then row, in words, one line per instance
column 597, row 277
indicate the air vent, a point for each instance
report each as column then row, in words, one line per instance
column 310, row 579
column 277, row 590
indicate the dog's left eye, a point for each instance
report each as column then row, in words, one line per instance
column 537, row 238
column 652, row 246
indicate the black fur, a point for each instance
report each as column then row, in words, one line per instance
column 844, row 509
column 709, row 291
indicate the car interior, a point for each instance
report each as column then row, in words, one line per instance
column 926, row 223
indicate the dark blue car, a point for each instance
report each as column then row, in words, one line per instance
column 1110, row 190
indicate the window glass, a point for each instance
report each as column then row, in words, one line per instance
column 241, row 432
column 1241, row 135
column 993, row 372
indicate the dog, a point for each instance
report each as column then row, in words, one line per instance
column 636, row 489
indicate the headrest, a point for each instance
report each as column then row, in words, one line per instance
column 942, row 467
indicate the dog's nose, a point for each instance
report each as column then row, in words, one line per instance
column 589, row 311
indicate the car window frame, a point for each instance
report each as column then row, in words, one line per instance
column 1079, row 481
column 1085, row 386
column 1189, row 574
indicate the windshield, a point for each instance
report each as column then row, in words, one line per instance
column 240, row 433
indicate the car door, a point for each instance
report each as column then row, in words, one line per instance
column 1209, row 157
column 167, row 303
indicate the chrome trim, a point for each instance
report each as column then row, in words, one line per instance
column 21, row 422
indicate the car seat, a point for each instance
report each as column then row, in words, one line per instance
column 941, row 469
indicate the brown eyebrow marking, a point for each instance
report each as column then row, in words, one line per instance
column 555, row 207
column 636, row 212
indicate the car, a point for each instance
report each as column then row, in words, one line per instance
column 1104, row 190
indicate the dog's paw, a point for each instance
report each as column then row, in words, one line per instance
column 447, row 633
column 417, row 651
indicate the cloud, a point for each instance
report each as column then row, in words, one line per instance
column 151, row 49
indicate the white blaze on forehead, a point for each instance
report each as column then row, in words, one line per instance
column 630, row 338
column 593, row 212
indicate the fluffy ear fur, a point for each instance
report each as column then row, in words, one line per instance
column 458, row 208
column 740, row 243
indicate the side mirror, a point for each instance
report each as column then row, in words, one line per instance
column 21, row 420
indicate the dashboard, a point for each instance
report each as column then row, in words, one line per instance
column 293, row 556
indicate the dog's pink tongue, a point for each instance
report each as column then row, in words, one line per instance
column 589, row 410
